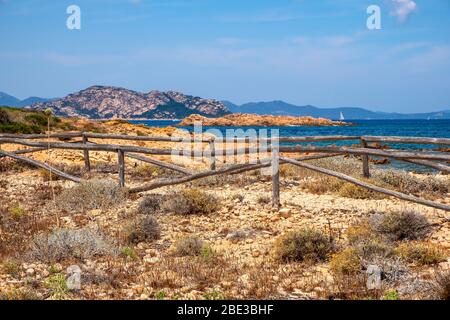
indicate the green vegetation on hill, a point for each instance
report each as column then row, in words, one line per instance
column 13, row 120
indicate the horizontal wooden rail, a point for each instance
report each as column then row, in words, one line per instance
column 144, row 138
column 41, row 165
column 62, row 135
column 415, row 140
column 368, row 186
column 163, row 164
column 368, row 151
column 171, row 182
column 436, row 165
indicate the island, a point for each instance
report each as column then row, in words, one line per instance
column 250, row 120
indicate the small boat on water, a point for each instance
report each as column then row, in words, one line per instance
column 341, row 116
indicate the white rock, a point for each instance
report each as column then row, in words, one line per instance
column 30, row 272
column 374, row 279
column 73, row 282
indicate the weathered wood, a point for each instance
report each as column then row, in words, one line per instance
column 63, row 135
column 275, row 168
column 169, row 182
column 369, row 186
column 121, row 165
column 234, row 169
column 212, row 151
column 41, row 165
column 267, row 163
column 159, row 163
column 91, row 147
column 143, row 138
column 417, row 140
column 289, row 139
column 365, row 160
column 436, row 165
column 87, row 161
column 368, row 151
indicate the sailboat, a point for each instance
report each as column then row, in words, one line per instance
column 341, row 116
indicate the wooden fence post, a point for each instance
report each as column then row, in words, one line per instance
column 275, row 166
column 212, row 150
column 365, row 160
column 121, row 161
column 87, row 161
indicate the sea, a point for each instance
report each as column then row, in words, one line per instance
column 434, row 128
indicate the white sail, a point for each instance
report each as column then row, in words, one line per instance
column 341, row 116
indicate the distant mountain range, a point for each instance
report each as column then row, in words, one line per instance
column 8, row 100
column 283, row 108
column 102, row 102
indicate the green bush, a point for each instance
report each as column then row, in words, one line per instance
column 4, row 118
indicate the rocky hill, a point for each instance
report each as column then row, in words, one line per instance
column 101, row 102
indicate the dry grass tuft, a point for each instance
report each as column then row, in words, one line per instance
column 423, row 253
column 346, row 262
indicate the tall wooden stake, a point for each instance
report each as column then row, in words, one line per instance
column 87, row 161
column 121, row 160
column 275, row 178
column 365, row 160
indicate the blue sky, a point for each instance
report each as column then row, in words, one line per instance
column 301, row 51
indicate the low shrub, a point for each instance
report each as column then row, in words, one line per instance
column 346, row 262
column 359, row 233
column 189, row 246
column 441, row 286
column 423, row 253
column 151, row 204
column 303, row 245
column 408, row 183
column 143, row 228
column 4, row 118
column 322, row 184
column 19, row 294
column 401, row 225
column 11, row 267
column 63, row 244
column 349, row 190
column 73, row 169
column 57, row 286
column 91, row 194
column 191, row 201
column 262, row 199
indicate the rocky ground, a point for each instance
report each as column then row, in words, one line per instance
column 240, row 235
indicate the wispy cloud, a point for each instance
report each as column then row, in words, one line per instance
column 402, row 9
column 327, row 41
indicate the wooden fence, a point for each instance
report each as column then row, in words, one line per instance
column 434, row 159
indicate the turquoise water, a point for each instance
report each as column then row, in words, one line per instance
column 407, row 128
